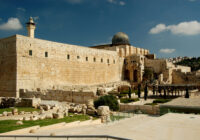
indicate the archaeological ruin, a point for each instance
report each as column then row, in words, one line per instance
column 32, row 67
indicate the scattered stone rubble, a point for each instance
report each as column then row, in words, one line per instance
column 56, row 111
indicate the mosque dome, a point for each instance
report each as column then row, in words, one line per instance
column 120, row 39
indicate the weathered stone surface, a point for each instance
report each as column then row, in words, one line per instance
column 91, row 112
column 49, row 116
column 90, row 103
column 20, row 119
column 15, row 111
column 9, row 114
column 21, row 113
column 34, row 118
column 19, row 122
column 42, row 116
column 5, row 113
column 103, row 111
column 26, row 118
column 58, row 115
column 34, row 112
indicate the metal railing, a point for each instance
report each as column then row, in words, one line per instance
column 70, row 137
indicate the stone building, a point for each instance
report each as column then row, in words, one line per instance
column 31, row 64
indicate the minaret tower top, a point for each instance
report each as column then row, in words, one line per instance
column 30, row 27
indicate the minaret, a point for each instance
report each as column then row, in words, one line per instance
column 30, row 27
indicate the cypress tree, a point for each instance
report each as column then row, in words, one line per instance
column 145, row 92
column 139, row 90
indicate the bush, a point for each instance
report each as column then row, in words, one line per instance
column 121, row 95
column 127, row 100
column 150, row 104
column 108, row 100
column 161, row 100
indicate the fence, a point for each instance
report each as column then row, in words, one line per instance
column 118, row 116
column 73, row 137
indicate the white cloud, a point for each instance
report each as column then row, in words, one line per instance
column 167, row 51
column 122, row 3
column 21, row 9
column 11, row 24
column 74, row 1
column 158, row 28
column 183, row 28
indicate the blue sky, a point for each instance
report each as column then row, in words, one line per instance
column 167, row 28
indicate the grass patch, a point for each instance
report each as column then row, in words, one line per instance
column 127, row 100
column 161, row 100
column 26, row 109
column 10, row 125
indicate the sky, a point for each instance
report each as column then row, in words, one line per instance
column 168, row 28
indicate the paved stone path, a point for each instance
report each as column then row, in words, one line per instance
column 193, row 101
column 171, row 126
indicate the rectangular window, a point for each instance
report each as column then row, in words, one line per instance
column 68, row 56
column 94, row 59
column 108, row 61
column 114, row 61
column 78, row 57
column 30, row 52
column 101, row 60
column 46, row 54
column 86, row 58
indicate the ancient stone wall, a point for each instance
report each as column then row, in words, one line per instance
column 59, row 95
column 148, row 109
column 178, row 77
column 49, row 65
column 8, row 67
column 158, row 65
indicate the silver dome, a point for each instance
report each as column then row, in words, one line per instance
column 120, row 39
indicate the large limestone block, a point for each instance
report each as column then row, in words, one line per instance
column 103, row 110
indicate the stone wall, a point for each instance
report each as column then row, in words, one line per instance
column 158, row 65
column 64, row 65
column 148, row 109
column 185, row 78
column 59, row 95
column 8, row 67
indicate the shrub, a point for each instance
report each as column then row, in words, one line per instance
column 161, row 100
column 128, row 100
column 121, row 95
column 150, row 104
column 108, row 100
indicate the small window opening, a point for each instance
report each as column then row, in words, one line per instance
column 46, row 54
column 30, row 52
